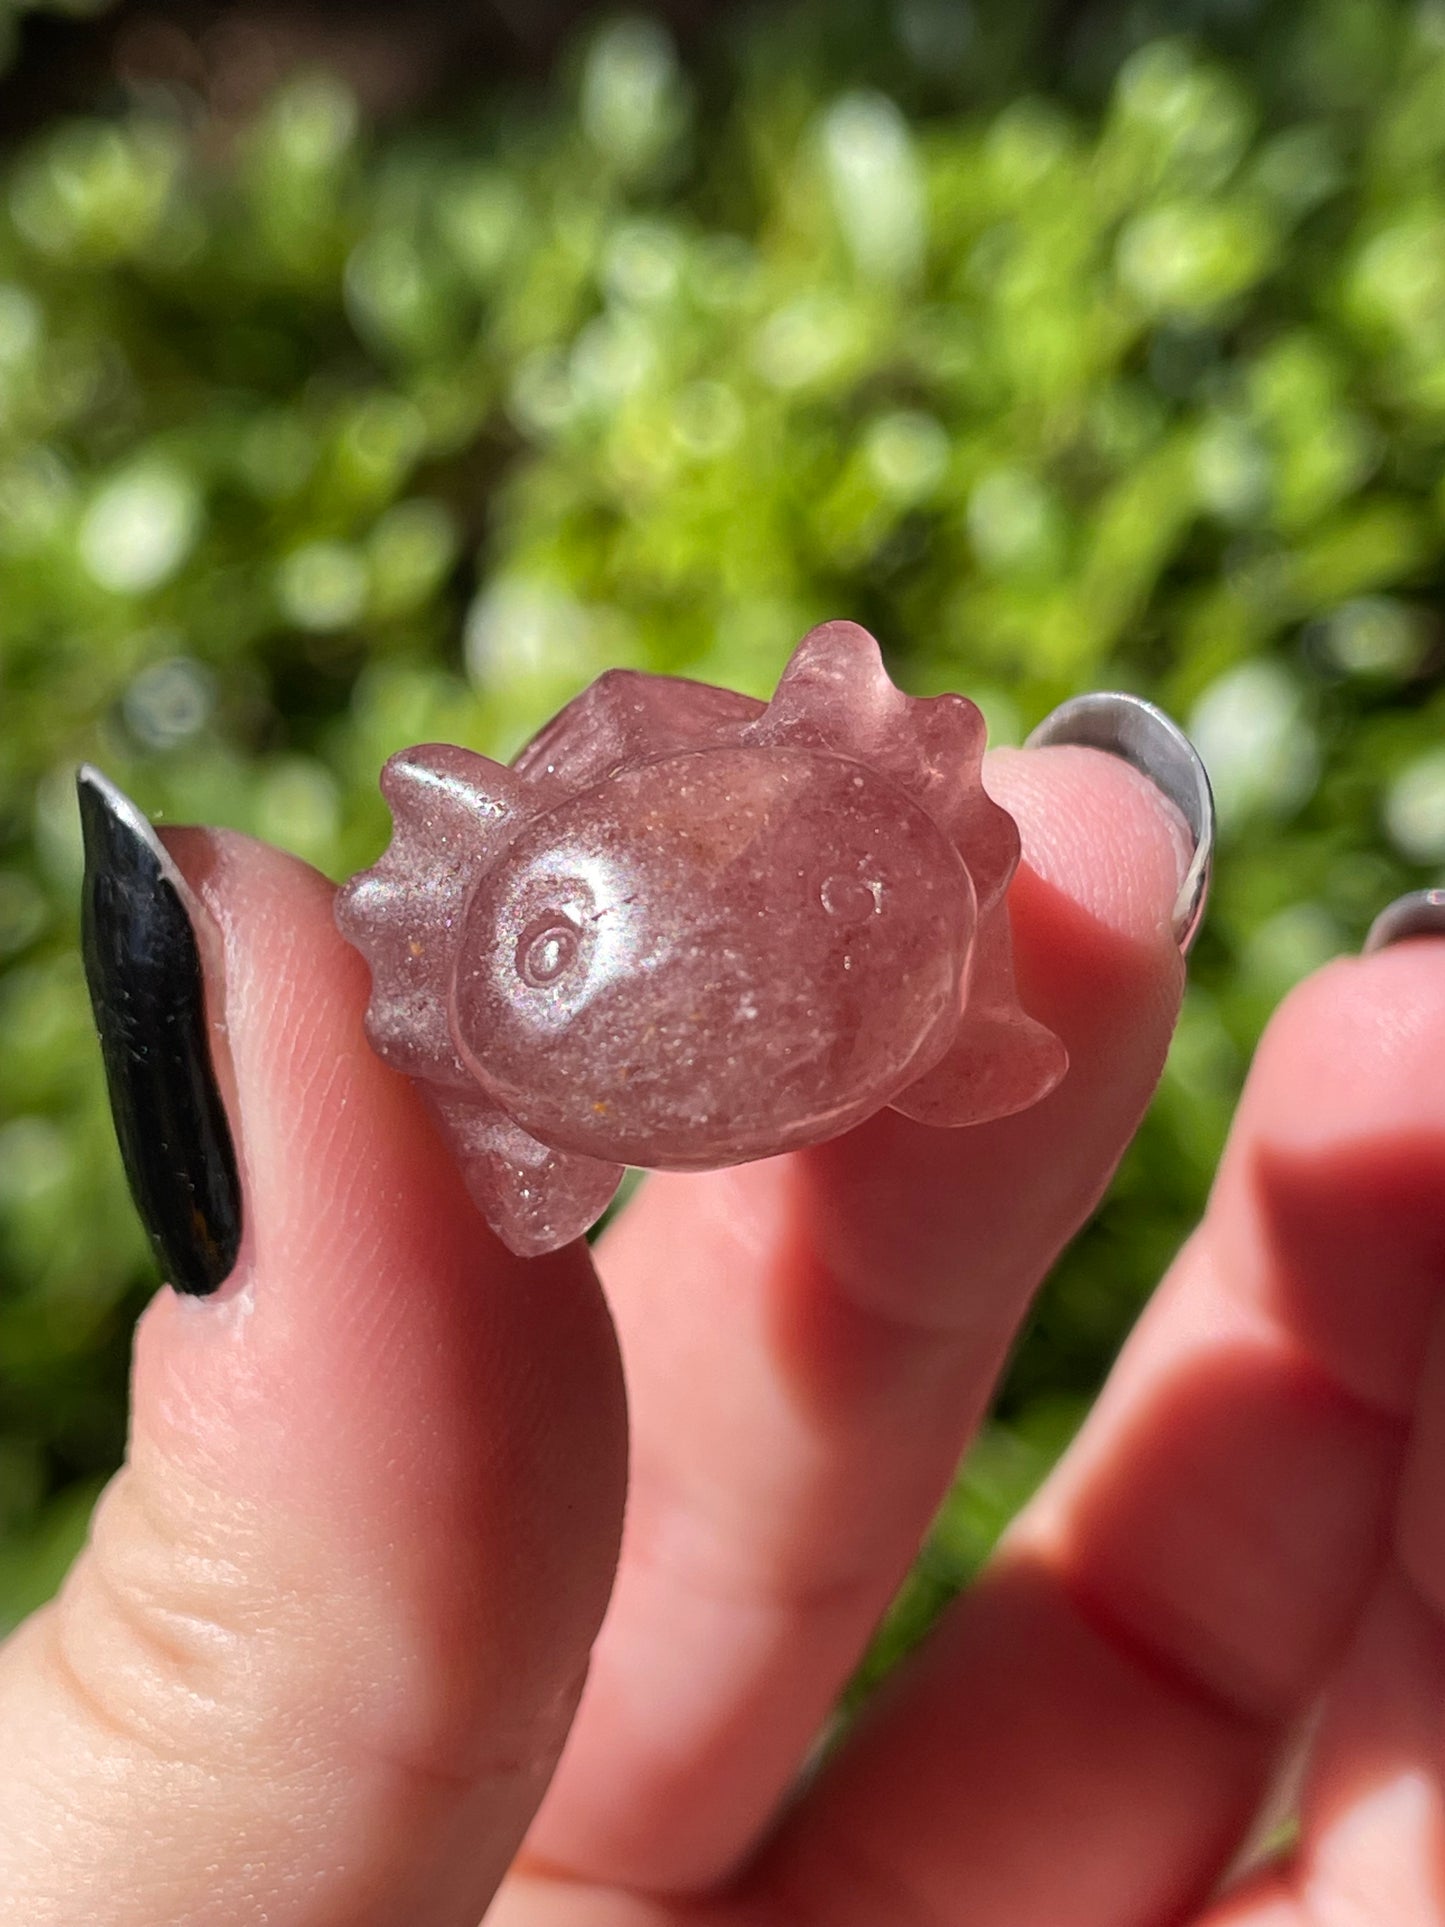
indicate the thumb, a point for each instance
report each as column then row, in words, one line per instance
column 318, row 1658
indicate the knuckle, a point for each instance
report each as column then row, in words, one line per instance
column 152, row 1637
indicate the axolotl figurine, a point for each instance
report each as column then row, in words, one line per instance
column 687, row 929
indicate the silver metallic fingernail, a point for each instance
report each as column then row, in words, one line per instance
column 1420, row 914
column 1143, row 735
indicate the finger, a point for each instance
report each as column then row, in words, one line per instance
column 1121, row 1683
column 809, row 1342
column 1265, row 1903
column 1371, row 1851
column 527, row 1901
column 1372, row 1833
column 321, row 1650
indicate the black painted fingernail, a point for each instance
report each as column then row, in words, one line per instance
column 143, row 965
column 1144, row 736
column 1420, row 914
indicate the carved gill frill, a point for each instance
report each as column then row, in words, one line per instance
column 453, row 811
column 836, row 694
column 627, row 717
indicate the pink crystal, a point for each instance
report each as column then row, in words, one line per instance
column 687, row 929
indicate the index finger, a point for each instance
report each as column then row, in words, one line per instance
column 809, row 1342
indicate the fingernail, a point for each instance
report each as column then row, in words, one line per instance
column 1128, row 727
column 147, row 989
column 1420, row 914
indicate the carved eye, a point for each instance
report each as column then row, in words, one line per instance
column 851, row 899
column 547, row 949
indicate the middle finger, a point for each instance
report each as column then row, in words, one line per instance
column 810, row 1341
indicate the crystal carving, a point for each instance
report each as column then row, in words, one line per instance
column 687, row 929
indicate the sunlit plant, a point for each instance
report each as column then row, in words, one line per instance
column 321, row 440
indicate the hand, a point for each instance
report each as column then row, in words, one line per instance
column 317, row 1665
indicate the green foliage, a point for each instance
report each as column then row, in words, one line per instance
column 315, row 442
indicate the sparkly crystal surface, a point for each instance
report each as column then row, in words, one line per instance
column 687, row 929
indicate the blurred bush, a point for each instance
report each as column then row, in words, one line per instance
column 314, row 442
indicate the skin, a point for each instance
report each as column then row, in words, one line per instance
column 316, row 1666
